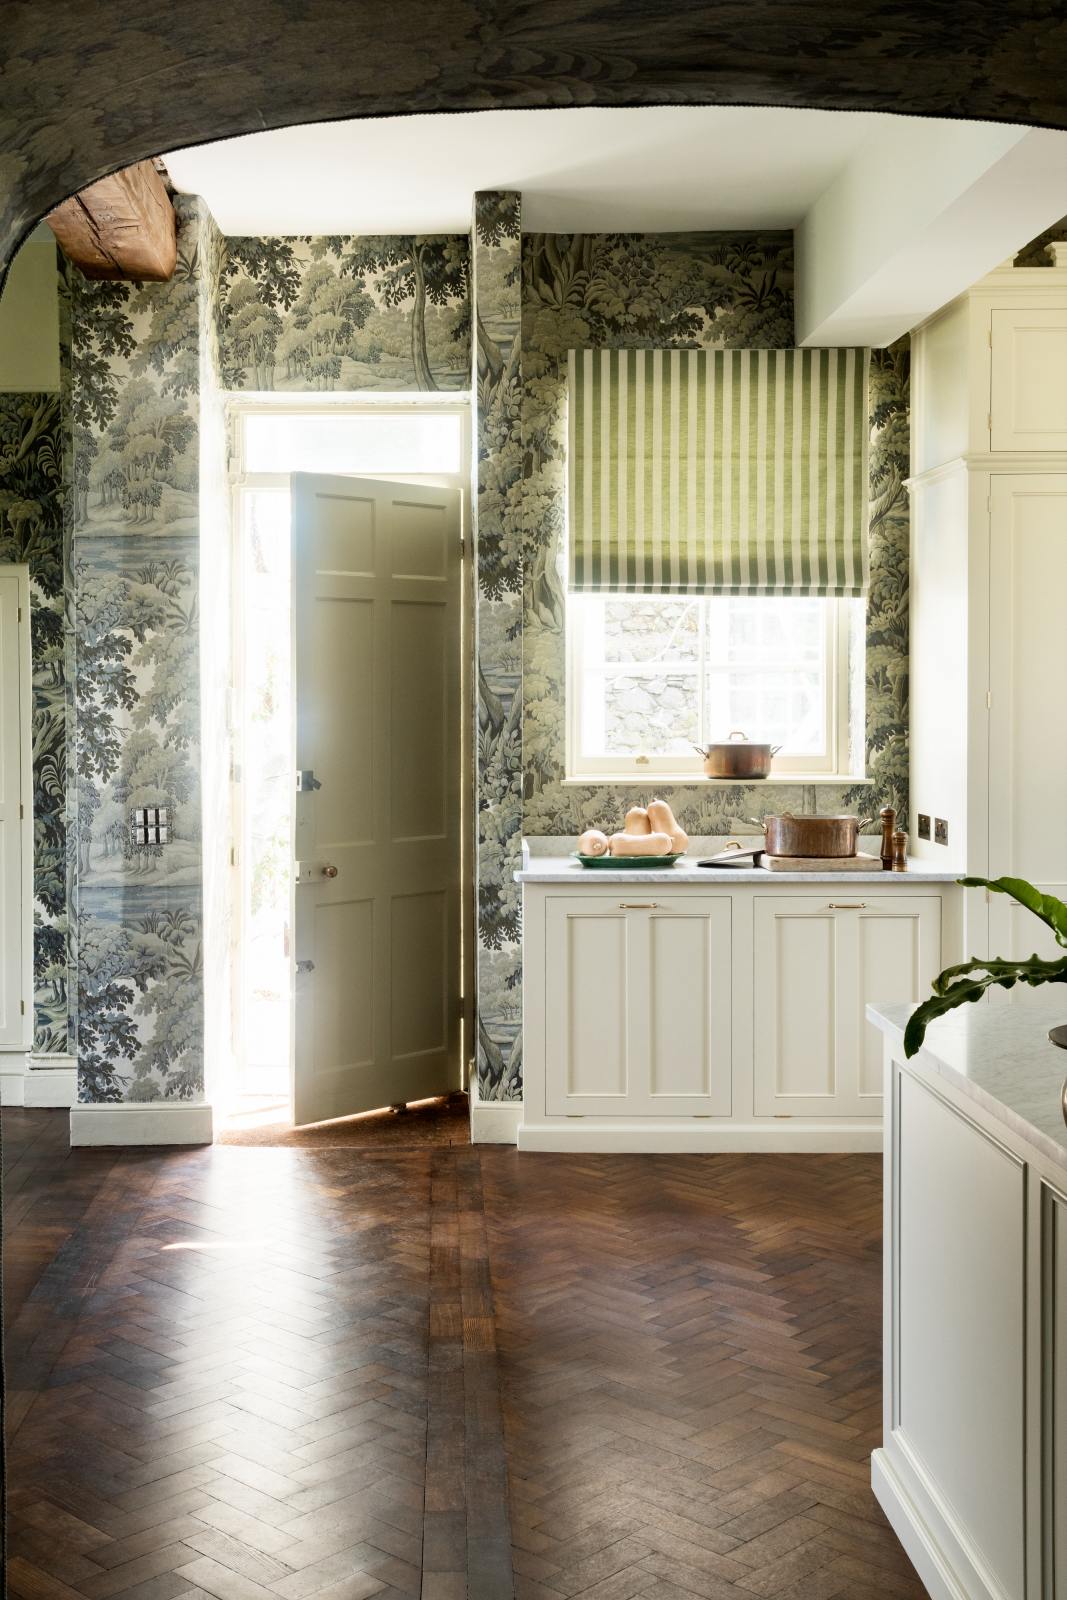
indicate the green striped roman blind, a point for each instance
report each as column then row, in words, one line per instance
column 718, row 471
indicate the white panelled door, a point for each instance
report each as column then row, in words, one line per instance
column 1028, row 712
column 14, row 866
column 378, row 734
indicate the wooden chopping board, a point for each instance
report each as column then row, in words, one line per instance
column 857, row 863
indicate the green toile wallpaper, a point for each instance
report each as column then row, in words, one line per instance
column 319, row 314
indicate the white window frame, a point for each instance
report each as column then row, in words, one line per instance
column 833, row 766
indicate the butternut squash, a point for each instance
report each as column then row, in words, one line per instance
column 640, row 844
column 593, row 843
column 662, row 819
column 637, row 821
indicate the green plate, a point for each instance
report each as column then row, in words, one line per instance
column 644, row 862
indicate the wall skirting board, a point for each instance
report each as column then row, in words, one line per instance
column 38, row 1080
column 916, row 1535
column 158, row 1122
column 494, row 1121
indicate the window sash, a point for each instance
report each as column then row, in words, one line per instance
column 582, row 764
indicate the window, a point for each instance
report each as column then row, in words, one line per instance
column 649, row 678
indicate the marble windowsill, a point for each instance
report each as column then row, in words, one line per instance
column 1002, row 1058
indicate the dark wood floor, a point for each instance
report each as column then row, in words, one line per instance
column 307, row 1374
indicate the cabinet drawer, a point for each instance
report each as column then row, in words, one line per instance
column 639, row 1006
column 818, row 962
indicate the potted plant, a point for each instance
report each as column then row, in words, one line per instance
column 970, row 980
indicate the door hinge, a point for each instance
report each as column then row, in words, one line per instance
column 989, row 421
column 989, row 699
column 19, row 617
column 462, row 548
column 22, row 1007
column 989, row 337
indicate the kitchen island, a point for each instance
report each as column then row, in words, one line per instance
column 972, row 1471
column 687, row 1008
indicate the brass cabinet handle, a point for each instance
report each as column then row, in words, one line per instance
column 638, row 905
column 847, row 905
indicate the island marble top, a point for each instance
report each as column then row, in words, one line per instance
column 1001, row 1056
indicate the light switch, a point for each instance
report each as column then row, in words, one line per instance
column 148, row 825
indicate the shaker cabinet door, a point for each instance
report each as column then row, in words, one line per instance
column 639, row 994
column 819, row 962
column 1029, row 379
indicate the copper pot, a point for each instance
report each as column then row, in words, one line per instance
column 737, row 758
column 788, row 835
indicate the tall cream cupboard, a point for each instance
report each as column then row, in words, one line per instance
column 989, row 593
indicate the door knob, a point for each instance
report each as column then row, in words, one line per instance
column 329, row 871
column 305, row 966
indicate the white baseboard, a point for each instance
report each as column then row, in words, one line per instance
column 917, row 1537
column 40, row 1081
column 495, row 1121
column 584, row 1134
column 158, row 1122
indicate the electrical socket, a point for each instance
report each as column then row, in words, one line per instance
column 940, row 831
column 923, row 825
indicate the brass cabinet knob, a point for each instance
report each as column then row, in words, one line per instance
column 329, row 871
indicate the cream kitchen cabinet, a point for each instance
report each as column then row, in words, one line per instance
column 988, row 736
column 819, row 961
column 708, row 1011
column 639, row 999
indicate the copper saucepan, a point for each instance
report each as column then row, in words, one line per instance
column 737, row 758
column 789, row 835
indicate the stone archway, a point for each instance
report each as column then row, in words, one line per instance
column 90, row 87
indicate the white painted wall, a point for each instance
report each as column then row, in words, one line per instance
column 920, row 213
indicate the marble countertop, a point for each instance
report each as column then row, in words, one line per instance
column 1001, row 1056
column 565, row 869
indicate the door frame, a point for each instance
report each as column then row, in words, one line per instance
column 452, row 402
column 21, row 573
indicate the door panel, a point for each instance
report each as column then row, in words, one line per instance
column 689, row 1049
column 1028, row 716
column 1029, row 380
column 819, row 964
column 639, row 1007
column 795, row 1006
column 587, row 1066
column 377, row 686
column 961, row 1390
column 899, row 958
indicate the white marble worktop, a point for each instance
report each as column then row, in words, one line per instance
column 1001, row 1057
column 562, row 867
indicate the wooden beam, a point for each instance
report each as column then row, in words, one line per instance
column 121, row 227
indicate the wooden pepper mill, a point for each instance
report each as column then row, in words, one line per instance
column 889, row 822
column 900, row 851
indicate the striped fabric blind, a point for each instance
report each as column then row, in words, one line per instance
column 718, row 471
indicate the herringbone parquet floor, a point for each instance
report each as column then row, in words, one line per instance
column 277, row 1374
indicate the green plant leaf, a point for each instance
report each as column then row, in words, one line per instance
column 948, row 995
column 1051, row 911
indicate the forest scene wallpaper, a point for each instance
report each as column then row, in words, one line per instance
column 498, row 536
column 314, row 315
column 134, row 385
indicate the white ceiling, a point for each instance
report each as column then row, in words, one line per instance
column 655, row 169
